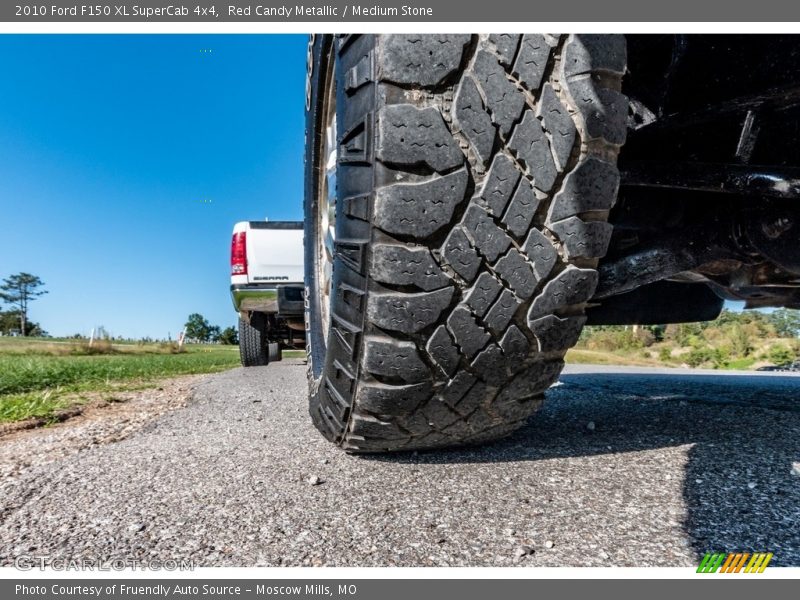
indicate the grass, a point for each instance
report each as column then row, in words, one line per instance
column 39, row 378
column 600, row 357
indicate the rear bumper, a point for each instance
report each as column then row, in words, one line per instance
column 285, row 300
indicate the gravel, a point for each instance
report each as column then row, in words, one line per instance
column 212, row 483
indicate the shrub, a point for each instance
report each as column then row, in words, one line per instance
column 706, row 356
column 97, row 347
column 780, row 354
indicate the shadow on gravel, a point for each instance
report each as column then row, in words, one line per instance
column 739, row 486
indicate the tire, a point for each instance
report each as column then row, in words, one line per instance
column 475, row 176
column 274, row 352
column 253, row 349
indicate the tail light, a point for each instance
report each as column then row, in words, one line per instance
column 239, row 253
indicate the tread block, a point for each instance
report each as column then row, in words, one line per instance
column 499, row 184
column 469, row 336
column 558, row 123
column 351, row 252
column 502, row 312
column 366, row 426
column 530, row 145
column 409, row 136
column 505, row 45
column 541, row 253
column 590, row 186
column 516, row 409
column 457, row 430
column 503, row 99
column 459, row 253
column 392, row 400
column 357, row 206
column 481, row 295
column 443, row 351
column 352, row 296
column 474, row 399
column 531, row 63
column 423, row 60
column 472, row 119
column 439, row 414
column 332, row 425
column 571, row 286
column 593, row 53
column 457, row 387
column 391, row 358
column 408, row 313
column 419, row 209
column 520, row 212
column 358, row 444
column 517, row 273
column 583, row 239
column 554, row 333
column 346, row 333
column 400, row 264
column 490, row 365
column 337, row 402
column 360, row 74
column 489, row 239
column 531, row 382
column 604, row 111
column 417, row 423
column 515, row 347
column 480, row 421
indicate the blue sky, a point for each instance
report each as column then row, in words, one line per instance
column 126, row 159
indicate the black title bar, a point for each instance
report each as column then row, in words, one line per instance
column 411, row 11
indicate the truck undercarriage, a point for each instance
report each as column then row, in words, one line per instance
column 707, row 207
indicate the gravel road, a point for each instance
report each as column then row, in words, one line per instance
column 624, row 466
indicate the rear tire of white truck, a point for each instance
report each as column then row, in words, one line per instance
column 274, row 352
column 254, row 349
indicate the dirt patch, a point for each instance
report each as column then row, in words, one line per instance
column 103, row 420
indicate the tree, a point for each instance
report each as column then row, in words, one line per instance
column 9, row 323
column 213, row 333
column 229, row 336
column 197, row 328
column 740, row 341
column 786, row 322
column 18, row 291
column 780, row 355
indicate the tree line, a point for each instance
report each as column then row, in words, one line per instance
column 19, row 290
column 733, row 340
column 199, row 329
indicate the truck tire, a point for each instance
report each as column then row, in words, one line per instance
column 274, row 353
column 253, row 349
column 473, row 180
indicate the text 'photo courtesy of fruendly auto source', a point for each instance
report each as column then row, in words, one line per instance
column 396, row 300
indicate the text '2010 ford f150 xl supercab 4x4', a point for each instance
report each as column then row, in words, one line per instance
column 267, row 288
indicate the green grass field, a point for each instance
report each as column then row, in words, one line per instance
column 39, row 378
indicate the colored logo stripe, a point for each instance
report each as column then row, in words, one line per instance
column 733, row 562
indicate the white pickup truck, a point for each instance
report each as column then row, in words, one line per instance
column 267, row 288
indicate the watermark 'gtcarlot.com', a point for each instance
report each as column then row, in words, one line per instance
column 43, row 562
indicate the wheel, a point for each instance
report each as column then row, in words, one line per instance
column 253, row 349
column 457, row 192
column 274, row 352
